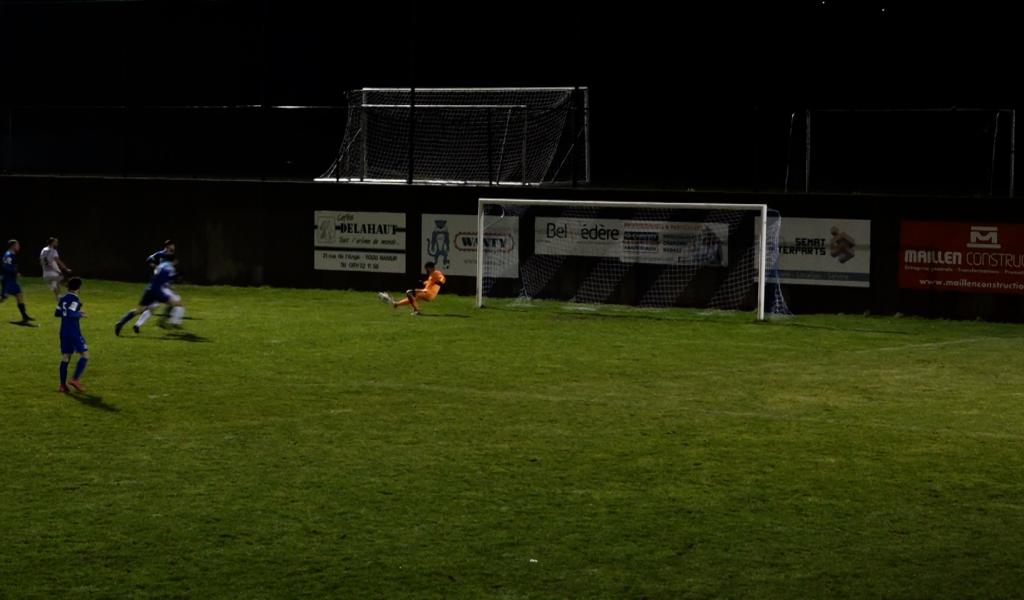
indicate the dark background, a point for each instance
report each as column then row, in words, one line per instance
column 695, row 94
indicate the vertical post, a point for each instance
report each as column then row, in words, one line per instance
column 807, row 153
column 364, row 123
column 266, row 161
column 762, row 251
column 789, row 152
column 586, row 131
column 1013, row 147
column 490, row 146
column 992, row 166
column 480, row 253
column 526, row 130
column 574, row 132
column 412, row 134
column 412, row 92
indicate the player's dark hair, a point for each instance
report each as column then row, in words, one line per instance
column 75, row 284
column 50, row 240
column 168, row 243
column 11, row 243
column 429, row 265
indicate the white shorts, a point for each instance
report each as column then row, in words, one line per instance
column 53, row 280
column 171, row 296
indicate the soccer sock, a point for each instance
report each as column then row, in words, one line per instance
column 127, row 317
column 79, row 368
column 21, row 307
column 63, row 372
column 142, row 318
column 176, row 314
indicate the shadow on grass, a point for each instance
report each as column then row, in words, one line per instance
column 849, row 329
column 92, row 401
column 185, row 336
column 23, row 323
column 640, row 315
column 431, row 315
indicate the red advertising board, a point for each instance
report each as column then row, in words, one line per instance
column 980, row 258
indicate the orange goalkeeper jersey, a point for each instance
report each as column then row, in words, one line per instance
column 432, row 284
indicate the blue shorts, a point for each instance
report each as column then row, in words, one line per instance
column 70, row 345
column 151, row 296
column 10, row 287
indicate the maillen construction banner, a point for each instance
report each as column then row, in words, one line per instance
column 983, row 258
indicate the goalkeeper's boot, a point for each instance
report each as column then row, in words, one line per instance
column 135, row 328
column 386, row 299
column 117, row 328
column 63, row 389
column 76, row 384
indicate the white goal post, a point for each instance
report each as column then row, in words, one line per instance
column 667, row 240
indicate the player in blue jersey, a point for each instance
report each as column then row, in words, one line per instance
column 157, row 292
column 154, row 259
column 69, row 309
column 9, row 278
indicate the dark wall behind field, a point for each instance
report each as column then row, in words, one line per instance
column 684, row 95
column 261, row 233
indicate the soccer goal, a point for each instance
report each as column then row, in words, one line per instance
column 646, row 254
column 948, row 151
column 492, row 136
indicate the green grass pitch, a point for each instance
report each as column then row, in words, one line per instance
column 314, row 443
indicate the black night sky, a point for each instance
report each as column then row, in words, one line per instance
column 698, row 94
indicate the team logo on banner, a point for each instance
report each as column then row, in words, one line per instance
column 826, row 252
column 450, row 241
column 439, row 243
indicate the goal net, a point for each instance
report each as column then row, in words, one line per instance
column 464, row 135
column 957, row 151
column 717, row 256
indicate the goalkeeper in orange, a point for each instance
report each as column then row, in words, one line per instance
column 429, row 290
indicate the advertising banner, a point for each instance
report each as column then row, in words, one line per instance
column 832, row 252
column 983, row 258
column 359, row 241
column 450, row 242
column 649, row 242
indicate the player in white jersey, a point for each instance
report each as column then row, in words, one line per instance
column 54, row 268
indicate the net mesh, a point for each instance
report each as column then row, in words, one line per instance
column 457, row 135
column 645, row 257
